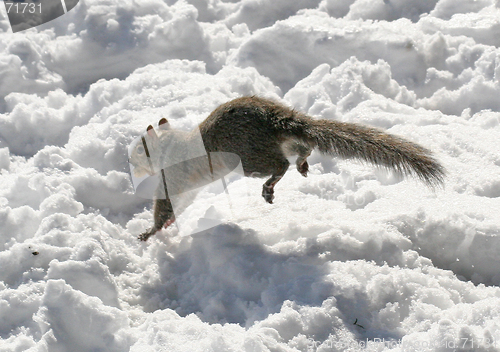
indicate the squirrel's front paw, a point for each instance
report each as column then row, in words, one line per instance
column 145, row 235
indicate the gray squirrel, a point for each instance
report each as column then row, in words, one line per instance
column 263, row 133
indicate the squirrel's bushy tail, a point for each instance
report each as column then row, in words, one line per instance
column 350, row 140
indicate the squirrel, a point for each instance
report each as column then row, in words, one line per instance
column 263, row 134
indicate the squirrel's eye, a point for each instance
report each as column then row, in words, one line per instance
column 140, row 150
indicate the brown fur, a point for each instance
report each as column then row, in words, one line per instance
column 263, row 133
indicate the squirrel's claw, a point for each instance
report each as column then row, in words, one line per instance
column 145, row 235
column 303, row 168
column 268, row 193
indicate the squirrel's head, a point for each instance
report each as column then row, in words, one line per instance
column 145, row 148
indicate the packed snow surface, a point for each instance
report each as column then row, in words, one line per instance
column 350, row 258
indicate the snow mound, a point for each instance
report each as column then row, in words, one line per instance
column 350, row 258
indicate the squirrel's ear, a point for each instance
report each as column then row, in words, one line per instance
column 163, row 124
column 151, row 132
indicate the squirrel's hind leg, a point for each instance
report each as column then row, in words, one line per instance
column 302, row 165
column 293, row 147
column 268, row 187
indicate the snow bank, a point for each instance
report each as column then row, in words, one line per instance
column 350, row 258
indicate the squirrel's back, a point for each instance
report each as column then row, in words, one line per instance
column 254, row 128
column 263, row 132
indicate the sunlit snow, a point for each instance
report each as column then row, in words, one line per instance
column 350, row 258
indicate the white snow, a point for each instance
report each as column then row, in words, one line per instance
column 351, row 258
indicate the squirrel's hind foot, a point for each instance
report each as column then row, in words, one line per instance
column 268, row 193
column 303, row 168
